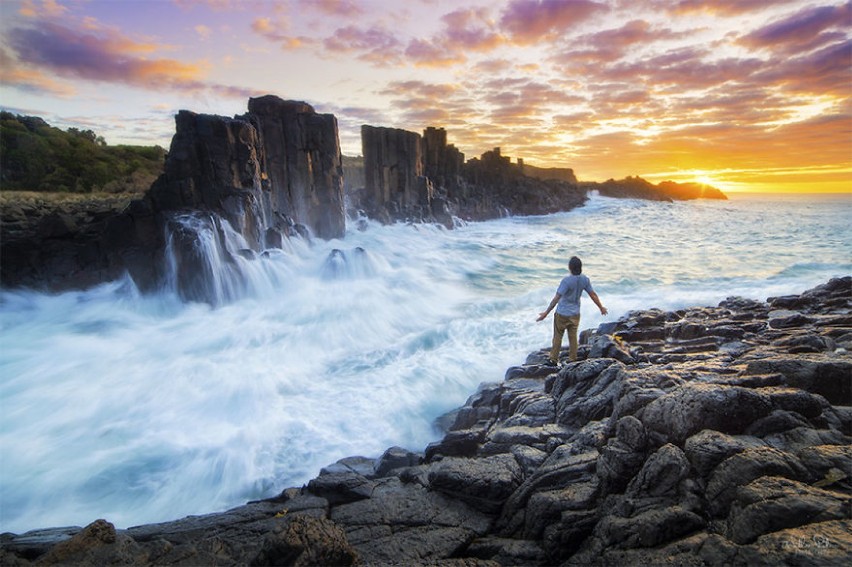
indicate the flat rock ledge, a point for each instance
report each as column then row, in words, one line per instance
column 708, row 436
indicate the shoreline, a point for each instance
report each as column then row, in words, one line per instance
column 496, row 456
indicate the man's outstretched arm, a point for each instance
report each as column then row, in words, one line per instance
column 550, row 307
column 597, row 301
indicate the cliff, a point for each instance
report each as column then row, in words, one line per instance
column 638, row 188
column 410, row 177
column 255, row 179
column 706, row 436
column 394, row 184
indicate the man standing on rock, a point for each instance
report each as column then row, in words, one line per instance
column 567, row 303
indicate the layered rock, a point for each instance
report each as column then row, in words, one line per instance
column 394, row 184
column 302, row 163
column 417, row 178
column 706, row 436
column 272, row 173
column 493, row 186
column 442, row 162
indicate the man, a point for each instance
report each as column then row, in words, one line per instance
column 567, row 303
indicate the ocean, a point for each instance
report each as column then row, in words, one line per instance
column 142, row 408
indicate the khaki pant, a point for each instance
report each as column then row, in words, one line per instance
column 561, row 324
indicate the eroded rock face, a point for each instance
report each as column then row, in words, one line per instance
column 277, row 165
column 272, row 173
column 683, row 453
column 395, row 187
column 414, row 178
column 302, row 162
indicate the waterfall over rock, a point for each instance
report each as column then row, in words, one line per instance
column 267, row 176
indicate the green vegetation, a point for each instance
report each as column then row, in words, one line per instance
column 35, row 156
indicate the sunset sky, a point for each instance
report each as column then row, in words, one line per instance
column 747, row 95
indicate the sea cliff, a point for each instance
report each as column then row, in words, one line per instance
column 704, row 436
column 234, row 188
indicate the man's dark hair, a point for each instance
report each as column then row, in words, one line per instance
column 575, row 265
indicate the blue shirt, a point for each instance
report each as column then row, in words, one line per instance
column 570, row 289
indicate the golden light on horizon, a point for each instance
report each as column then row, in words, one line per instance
column 746, row 96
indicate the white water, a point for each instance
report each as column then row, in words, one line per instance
column 143, row 409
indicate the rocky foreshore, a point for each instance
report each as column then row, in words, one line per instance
column 706, row 436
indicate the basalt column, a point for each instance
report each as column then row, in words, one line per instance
column 302, row 163
column 393, row 173
column 442, row 162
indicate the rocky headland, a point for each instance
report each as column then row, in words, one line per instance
column 409, row 177
column 272, row 173
column 233, row 188
column 705, row 436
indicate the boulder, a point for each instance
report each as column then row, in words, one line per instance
column 746, row 466
column 96, row 544
column 483, row 483
column 829, row 379
column 693, row 407
column 306, row 541
column 707, row 448
column 661, row 474
column 769, row 504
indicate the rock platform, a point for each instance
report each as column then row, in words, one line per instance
column 706, row 436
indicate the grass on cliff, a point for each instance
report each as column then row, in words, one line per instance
column 35, row 156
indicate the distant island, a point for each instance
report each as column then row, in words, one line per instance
column 76, row 212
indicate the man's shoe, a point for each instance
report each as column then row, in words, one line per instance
column 549, row 362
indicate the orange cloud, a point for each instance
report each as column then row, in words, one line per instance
column 278, row 32
column 30, row 80
column 43, row 9
column 104, row 56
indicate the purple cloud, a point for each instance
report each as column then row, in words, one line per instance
column 106, row 57
column 529, row 21
column 376, row 45
column 800, row 28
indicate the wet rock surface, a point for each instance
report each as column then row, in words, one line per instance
column 708, row 441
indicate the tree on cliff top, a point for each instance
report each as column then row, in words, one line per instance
column 35, row 156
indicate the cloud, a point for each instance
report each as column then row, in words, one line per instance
column 533, row 21
column 339, row 8
column 375, row 44
column 804, row 28
column 464, row 30
column 719, row 7
column 824, row 72
column 424, row 53
column 470, row 29
column 30, row 80
column 271, row 31
column 98, row 57
column 278, row 32
column 43, row 9
column 105, row 56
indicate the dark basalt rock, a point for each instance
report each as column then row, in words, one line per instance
column 717, row 458
column 271, row 174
